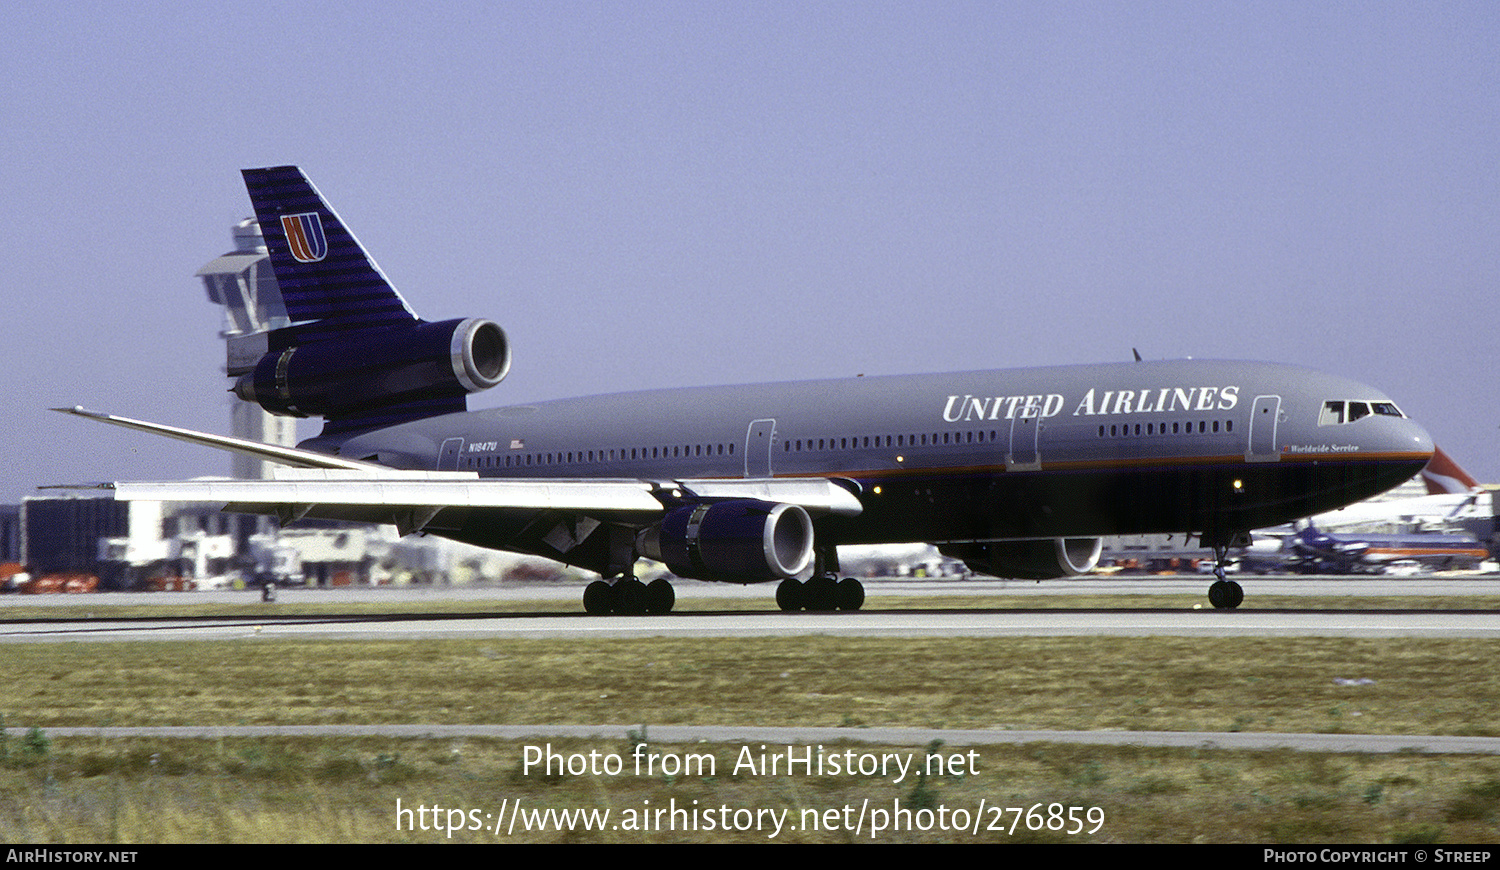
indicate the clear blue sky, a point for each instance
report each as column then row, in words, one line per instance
column 659, row 194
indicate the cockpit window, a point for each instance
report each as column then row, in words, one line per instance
column 1335, row 412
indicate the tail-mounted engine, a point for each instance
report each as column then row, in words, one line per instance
column 1029, row 560
column 379, row 367
column 739, row 541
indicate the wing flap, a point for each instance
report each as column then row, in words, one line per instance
column 462, row 489
column 567, row 495
column 816, row 494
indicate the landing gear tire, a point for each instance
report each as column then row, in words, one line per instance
column 789, row 596
column 660, row 596
column 851, row 594
column 630, row 597
column 1225, row 594
column 598, row 598
column 821, row 594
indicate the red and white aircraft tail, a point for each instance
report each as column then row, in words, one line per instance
column 1443, row 476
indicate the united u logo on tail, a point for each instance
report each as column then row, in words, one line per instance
column 304, row 235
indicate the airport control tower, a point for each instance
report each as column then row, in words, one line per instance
column 243, row 283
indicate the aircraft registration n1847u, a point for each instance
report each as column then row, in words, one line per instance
column 1018, row 473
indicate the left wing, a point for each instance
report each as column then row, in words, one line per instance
column 324, row 486
column 408, row 500
column 270, row 452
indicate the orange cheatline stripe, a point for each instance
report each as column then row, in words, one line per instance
column 1107, row 464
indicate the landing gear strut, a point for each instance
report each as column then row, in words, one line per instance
column 1223, row 594
column 824, row 592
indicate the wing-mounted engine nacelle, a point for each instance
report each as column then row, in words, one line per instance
column 1029, row 560
column 739, row 541
column 380, row 366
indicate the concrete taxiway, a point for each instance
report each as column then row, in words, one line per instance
column 1457, row 584
column 1426, row 744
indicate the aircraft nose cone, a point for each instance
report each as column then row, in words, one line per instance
column 1400, row 448
column 1415, row 439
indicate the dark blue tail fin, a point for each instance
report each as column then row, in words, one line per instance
column 324, row 272
column 355, row 353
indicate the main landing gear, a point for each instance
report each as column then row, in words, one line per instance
column 824, row 592
column 821, row 593
column 1224, row 594
column 628, row 596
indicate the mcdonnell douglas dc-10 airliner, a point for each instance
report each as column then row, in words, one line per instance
column 1018, row 473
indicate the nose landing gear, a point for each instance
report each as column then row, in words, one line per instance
column 1225, row 594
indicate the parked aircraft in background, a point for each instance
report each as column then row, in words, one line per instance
column 1446, row 529
column 1314, row 551
column 1018, row 473
column 1453, row 497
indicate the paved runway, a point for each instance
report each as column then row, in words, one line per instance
column 1189, row 584
column 1426, row 744
column 992, row 623
column 1037, row 619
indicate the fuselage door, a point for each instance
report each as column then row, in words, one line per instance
column 1024, row 455
column 1263, row 419
column 758, row 440
column 448, row 454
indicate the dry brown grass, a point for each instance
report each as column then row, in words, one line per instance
column 345, row 790
column 1421, row 686
column 328, row 790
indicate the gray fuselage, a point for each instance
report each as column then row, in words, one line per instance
column 1208, row 447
